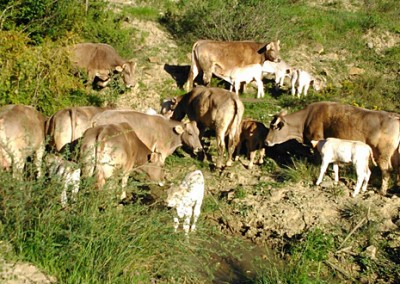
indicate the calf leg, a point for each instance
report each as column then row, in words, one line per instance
column 252, row 157
column 324, row 166
column 305, row 89
column 260, row 88
column 262, row 155
column 366, row 179
column 196, row 214
column 336, row 171
column 360, row 179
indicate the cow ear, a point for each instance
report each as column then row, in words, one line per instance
column 179, row 129
column 119, row 68
column 314, row 143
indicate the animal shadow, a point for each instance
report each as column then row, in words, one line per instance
column 179, row 73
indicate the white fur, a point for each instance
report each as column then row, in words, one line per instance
column 301, row 81
column 335, row 150
column 280, row 69
column 244, row 74
column 187, row 200
column 68, row 172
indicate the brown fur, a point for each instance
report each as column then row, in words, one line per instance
column 207, row 55
column 69, row 124
column 216, row 109
column 253, row 134
column 98, row 59
column 22, row 133
column 155, row 131
column 379, row 129
column 107, row 148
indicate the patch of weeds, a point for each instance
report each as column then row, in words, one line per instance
column 240, row 192
column 299, row 171
column 308, row 255
column 269, row 165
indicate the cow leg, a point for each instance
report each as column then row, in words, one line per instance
column 124, row 183
column 324, row 167
column 262, row 155
column 252, row 157
column 384, row 166
column 188, row 217
column 38, row 160
column 221, row 149
column 207, row 75
column 238, row 149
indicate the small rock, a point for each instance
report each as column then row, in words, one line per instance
column 154, row 59
column 370, row 252
column 356, row 71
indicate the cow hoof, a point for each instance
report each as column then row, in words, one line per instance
column 229, row 163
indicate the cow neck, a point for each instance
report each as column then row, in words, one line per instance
column 295, row 121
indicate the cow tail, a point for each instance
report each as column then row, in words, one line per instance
column 98, row 156
column 236, row 123
column 371, row 154
column 194, row 68
column 72, row 113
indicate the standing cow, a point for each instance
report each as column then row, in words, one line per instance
column 209, row 56
column 69, row 124
column 379, row 129
column 108, row 148
column 216, row 109
column 253, row 134
column 99, row 59
column 22, row 135
column 155, row 131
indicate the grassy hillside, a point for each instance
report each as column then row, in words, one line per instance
column 266, row 225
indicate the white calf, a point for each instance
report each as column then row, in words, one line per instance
column 280, row 69
column 301, row 81
column 68, row 172
column 244, row 74
column 187, row 200
column 335, row 150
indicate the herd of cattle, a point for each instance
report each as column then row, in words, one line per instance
column 113, row 142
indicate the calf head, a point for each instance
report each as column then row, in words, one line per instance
column 128, row 73
column 190, row 135
column 168, row 107
column 271, row 51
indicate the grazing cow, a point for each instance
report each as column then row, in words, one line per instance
column 69, row 124
column 379, row 129
column 155, row 131
column 108, row 148
column 245, row 74
column 209, row 55
column 99, row 59
column 280, row 69
column 253, row 134
column 335, row 150
column 187, row 200
column 301, row 82
column 22, row 135
column 216, row 109
column 67, row 172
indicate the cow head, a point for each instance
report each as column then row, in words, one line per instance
column 278, row 130
column 128, row 73
column 271, row 51
column 168, row 107
column 189, row 133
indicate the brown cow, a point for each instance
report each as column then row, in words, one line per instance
column 223, row 56
column 22, row 134
column 216, row 109
column 69, row 124
column 155, row 131
column 108, row 148
column 99, row 59
column 253, row 134
column 378, row 129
